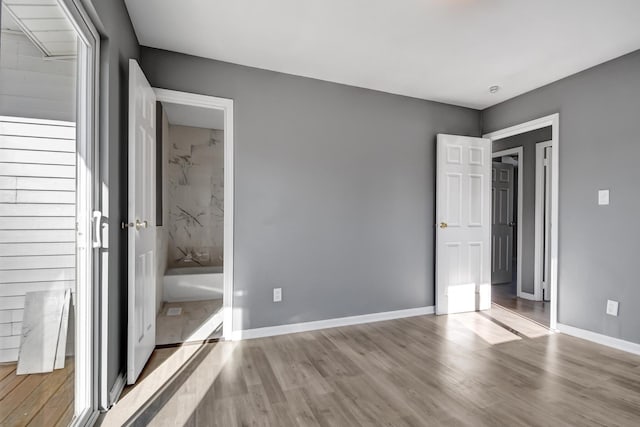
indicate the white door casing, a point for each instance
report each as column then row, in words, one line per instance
column 546, row 281
column 502, row 222
column 225, row 105
column 543, row 226
column 141, row 223
column 463, row 231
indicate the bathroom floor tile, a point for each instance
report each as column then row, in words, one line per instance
column 199, row 320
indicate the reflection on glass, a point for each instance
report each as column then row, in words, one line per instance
column 38, row 75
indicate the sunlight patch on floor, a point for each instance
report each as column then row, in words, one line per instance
column 485, row 328
column 513, row 320
column 207, row 328
column 148, row 385
column 195, row 385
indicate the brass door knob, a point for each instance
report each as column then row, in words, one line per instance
column 443, row 225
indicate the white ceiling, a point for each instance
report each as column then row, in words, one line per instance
column 198, row 117
column 443, row 50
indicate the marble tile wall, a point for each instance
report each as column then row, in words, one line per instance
column 195, row 181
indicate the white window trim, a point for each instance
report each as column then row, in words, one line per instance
column 88, row 198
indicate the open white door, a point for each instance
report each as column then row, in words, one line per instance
column 141, row 222
column 463, row 231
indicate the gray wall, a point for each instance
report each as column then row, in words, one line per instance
column 334, row 190
column 599, row 149
column 528, row 142
column 118, row 44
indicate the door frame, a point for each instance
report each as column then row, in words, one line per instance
column 518, row 151
column 552, row 120
column 539, row 216
column 88, row 216
column 225, row 105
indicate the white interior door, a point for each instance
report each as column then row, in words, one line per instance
column 502, row 223
column 141, row 222
column 463, row 236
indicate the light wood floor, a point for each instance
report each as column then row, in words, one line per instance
column 506, row 296
column 36, row 399
column 459, row 370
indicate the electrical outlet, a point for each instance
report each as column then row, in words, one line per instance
column 603, row 197
column 277, row 294
column 612, row 307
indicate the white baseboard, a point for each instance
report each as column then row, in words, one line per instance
column 329, row 323
column 616, row 343
column 117, row 388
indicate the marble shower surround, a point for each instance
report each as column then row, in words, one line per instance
column 195, row 180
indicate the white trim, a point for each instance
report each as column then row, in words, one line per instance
column 525, row 127
column 293, row 328
column 116, row 390
column 552, row 120
column 519, row 151
column 226, row 105
column 539, row 215
column 605, row 340
column 87, row 329
column 92, row 418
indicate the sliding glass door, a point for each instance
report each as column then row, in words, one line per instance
column 49, row 222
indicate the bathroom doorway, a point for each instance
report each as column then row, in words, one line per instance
column 193, row 267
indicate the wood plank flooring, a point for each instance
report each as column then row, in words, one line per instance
column 457, row 370
column 505, row 296
column 36, row 399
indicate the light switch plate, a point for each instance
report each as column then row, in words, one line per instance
column 603, row 197
column 277, row 294
column 612, row 307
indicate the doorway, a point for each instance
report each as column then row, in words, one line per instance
column 506, row 220
column 190, row 214
column 190, row 238
column 517, row 207
column 208, row 105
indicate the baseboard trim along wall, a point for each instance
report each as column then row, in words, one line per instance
column 329, row 323
column 616, row 343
